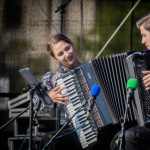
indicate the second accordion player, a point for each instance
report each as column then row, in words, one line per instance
column 111, row 74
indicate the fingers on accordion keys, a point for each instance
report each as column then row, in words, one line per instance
column 88, row 114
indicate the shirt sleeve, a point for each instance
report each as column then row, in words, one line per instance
column 48, row 81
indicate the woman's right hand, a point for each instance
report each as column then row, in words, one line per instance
column 55, row 95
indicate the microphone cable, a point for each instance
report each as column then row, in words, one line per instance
column 24, row 139
column 63, row 135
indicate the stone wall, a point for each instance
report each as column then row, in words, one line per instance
column 33, row 26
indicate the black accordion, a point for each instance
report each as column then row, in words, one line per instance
column 111, row 74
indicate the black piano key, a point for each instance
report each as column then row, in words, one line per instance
column 88, row 140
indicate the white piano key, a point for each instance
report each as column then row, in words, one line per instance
column 74, row 95
column 75, row 99
column 70, row 107
column 68, row 77
column 81, row 112
column 86, row 142
column 64, row 92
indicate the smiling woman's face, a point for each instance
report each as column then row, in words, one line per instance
column 65, row 54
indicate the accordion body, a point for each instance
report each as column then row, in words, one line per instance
column 111, row 74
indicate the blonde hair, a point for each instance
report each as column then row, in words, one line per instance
column 145, row 21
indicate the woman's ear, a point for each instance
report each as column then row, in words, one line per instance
column 55, row 59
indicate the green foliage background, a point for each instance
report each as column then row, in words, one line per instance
column 109, row 15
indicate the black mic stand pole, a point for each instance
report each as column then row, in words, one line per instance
column 62, row 11
column 31, row 117
column 31, row 91
column 61, row 8
column 65, row 124
column 128, row 101
column 14, row 118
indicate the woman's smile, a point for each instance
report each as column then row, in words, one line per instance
column 70, row 58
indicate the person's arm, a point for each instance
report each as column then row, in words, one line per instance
column 146, row 79
column 54, row 91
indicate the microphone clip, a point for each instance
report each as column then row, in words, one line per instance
column 90, row 104
column 130, row 95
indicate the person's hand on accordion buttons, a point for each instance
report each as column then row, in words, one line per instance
column 146, row 79
column 55, row 95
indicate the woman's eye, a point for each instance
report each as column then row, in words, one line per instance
column 60, row 54
column 68, row 48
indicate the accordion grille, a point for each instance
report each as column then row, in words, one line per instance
column 112, row 77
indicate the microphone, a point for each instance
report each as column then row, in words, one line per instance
column 132, row 85
column 94, row 93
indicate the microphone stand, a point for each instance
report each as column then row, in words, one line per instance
column 65, row 124
column 32, row 91
column 129, row 97
column 30, row 117
column 14, row 118
column 61, row 8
